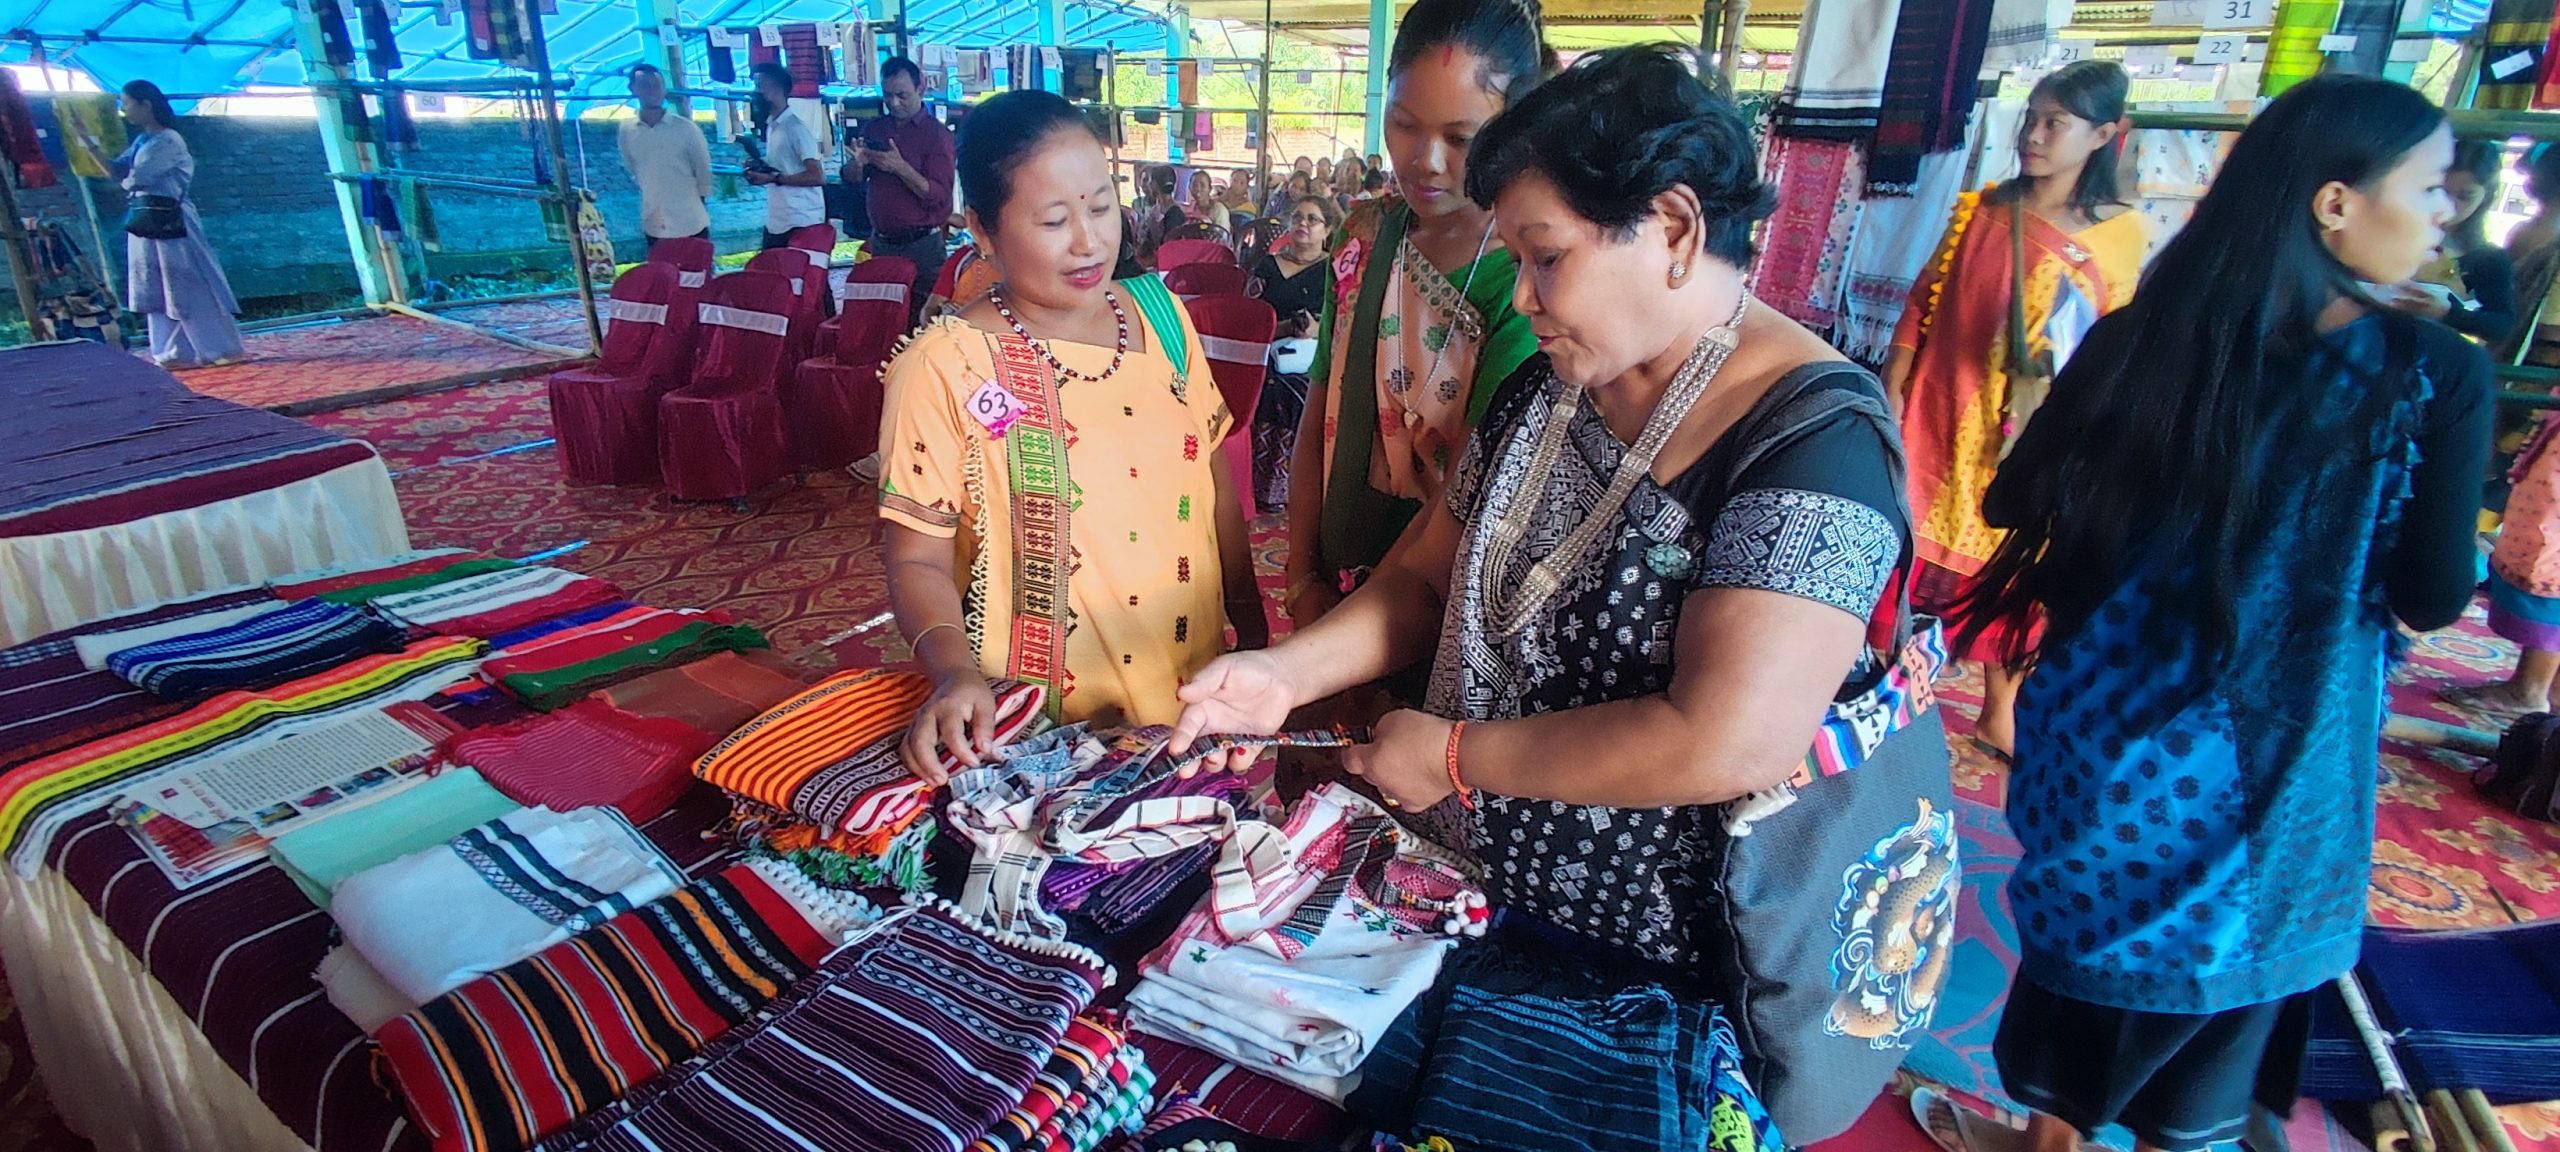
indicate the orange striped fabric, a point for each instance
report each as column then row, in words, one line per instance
column 830, row 754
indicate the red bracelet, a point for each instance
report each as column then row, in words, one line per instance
column 1466, row 795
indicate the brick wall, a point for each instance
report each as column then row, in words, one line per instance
column 262, row 185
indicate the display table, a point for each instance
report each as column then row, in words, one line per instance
column 121, row 489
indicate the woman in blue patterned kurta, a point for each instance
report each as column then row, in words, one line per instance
column 177, row 285
column 2241, row 485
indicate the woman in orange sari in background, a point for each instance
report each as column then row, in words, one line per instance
column 1950, row 371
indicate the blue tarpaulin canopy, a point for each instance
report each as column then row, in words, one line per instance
column 214, row 46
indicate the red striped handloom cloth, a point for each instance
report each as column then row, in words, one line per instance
column 1085, row 1054
column 919, row 1034
column 588, row 753
column 510, row 1058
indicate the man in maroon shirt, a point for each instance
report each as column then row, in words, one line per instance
column 908, row 157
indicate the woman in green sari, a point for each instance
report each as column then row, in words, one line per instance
column 1419, row 330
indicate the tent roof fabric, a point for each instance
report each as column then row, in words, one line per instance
column 215, row 46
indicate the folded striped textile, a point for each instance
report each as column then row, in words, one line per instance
column 95, row 648
column 1115, row 1104
column 1114, row 897
column 829, row 755
column 1241, row 1096
column 411, row 580
column 50, row 700
column 523, row 1052
column 919, row 1034
column 1345, row 928
column 319, row 855
column 260, row 651
column 1067, row 796
column 1929, row 88
column 342, row 577
column 1836, row 91
column 519, row 638
column 1083, row 1056
column 1510, row 1049
column 495, row 602
column 714, row 695
column 589, row 753
column 433, row 919
column 565, row 666
column 39, row 796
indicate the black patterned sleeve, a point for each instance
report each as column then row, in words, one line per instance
column 1817, row 520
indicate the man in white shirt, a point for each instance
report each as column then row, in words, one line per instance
column 667, row 156
column 794, row 189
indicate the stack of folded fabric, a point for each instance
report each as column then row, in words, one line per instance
column 1082, row 1060
column 512, row 1057
column 408, row 573
column 1111, row 897
column 37, row 798
column 97, row 647
column 828, row 758
column 552, row 671
column 256, row 651
column 589, row 753
column 432, row 920
column 715, row 695
column 317, row 856
column 1115, row 1104
column 923, row 1032
column 1299, row 968
column 495, row 602
column 1199, row 1083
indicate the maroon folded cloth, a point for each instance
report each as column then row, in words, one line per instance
column 1255, row 1103
column 589, row 753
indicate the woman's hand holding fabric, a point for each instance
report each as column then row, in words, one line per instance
column 1248, row 693
column 960, row 716
column 1406, row 758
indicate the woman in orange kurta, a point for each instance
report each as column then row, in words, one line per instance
column 1057, row 510
column 1950, row 371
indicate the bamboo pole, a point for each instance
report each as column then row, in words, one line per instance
column 569, row 204
column 13, row 235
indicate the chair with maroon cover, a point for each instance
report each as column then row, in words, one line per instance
column 1174, row 254
column 605, row 415
column 833, row 404
column 690, row 254
column 1205, row 279
column 1236, row 333
column 817, row 242
column 721, row 436
column 805, row 314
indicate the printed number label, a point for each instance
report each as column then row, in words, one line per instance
column 994, row 407
column 2238, row 13
column 2221, row 49
column 2066, row 51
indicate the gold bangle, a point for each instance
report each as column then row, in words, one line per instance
column 917, row 644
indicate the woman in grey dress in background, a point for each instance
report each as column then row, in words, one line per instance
column 177, row 285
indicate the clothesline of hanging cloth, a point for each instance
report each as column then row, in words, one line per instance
column 1930, row 85
column 1837, row 89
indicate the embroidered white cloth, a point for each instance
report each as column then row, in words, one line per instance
column 2020, row 29
column 1837, row 87
column 1349, row 931
column 473, row 595
column 358, row 991
column 1894, row 239
column 494, row 895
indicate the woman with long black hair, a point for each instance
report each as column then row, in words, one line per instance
column 2243, row 485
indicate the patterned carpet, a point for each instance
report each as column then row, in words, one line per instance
column 325, row 364
column 473, row 469
column 553, row 321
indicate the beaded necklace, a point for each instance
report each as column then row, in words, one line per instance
column 995, row 296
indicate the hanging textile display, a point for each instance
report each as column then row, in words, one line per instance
column 716, row 46
column 1081, row 71
column 336, row 46
column 1893, row 239
column 1837, row 88
column 764, row 45
column 596, row 238
column 1929, row 88
column 2293, row 49
column 381, row 44
column 18, row 136
column 1805, row 243
column 1187, row 77
column 398, row 127
column 72, row 298
column 809, row 64
column 94, row 117
column 861, row 53
column 2020, row 30
column 497, row 31
column 2511, row 62
column 2171, row 170
column 1022, row 67
column 416, row 208
column 355, row 118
